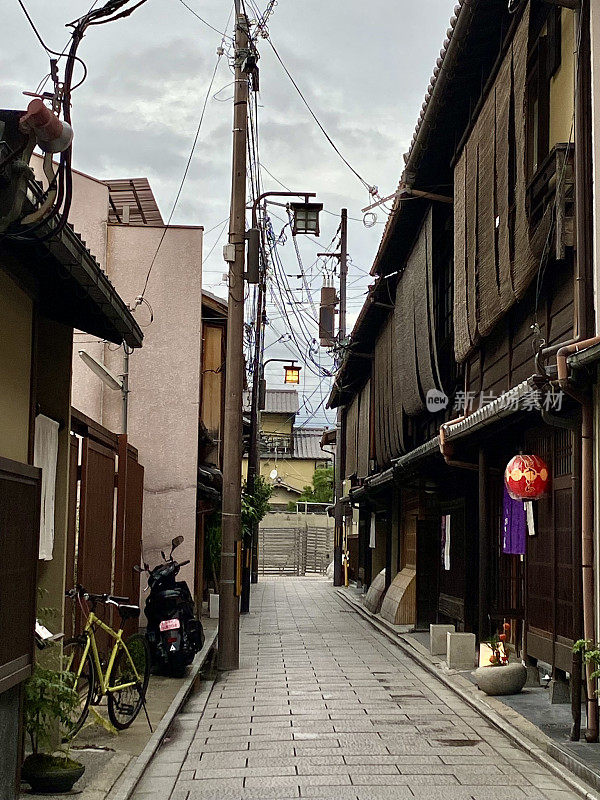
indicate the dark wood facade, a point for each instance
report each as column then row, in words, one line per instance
column 466, row 296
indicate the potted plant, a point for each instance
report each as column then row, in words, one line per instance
column 49, row 702
column 500, row 677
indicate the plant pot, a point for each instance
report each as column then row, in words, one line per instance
column 48, row 774
column 496, row 681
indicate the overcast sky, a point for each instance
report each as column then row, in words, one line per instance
column 363, row 67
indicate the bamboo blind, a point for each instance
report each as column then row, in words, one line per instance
column 363, row 433
column 487, row 280
column 415, row 341
column 352, row 436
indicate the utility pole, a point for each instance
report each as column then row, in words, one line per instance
column 250, row 571
column 339, row 443
column 231, row 524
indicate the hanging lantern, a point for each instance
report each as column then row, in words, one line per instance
column 526, row 477
column 292, row 373
column 306, row 218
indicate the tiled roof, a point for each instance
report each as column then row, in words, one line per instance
column 217, row 301
column 307, row 444
column 277, row 401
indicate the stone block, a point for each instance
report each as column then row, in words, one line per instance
column 460, row 650
column 559, row 691
column 213, row 605
column 437, row 638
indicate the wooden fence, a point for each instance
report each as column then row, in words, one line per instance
column 295, row 550
column 105, row 515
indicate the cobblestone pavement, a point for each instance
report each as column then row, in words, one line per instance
column 324, row 707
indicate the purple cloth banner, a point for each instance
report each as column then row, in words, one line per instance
column 514, row 526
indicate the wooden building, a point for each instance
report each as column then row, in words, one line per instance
column 481, row 275
column 210, row 435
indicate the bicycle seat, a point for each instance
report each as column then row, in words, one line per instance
column 129, row 612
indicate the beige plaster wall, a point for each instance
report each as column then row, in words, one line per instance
column 276, row 423
column 164, row 376
column 295, row 472
column 89, row 209
column 16, row 314
column 89, row 216
column 562, row 85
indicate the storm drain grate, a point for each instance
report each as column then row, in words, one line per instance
column 458, row 742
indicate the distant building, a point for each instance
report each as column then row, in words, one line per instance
column 289, row 454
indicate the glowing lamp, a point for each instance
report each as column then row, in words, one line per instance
column 292, row 374
column 526, row 477
column 306, row 218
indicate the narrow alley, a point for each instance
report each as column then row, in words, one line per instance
column 324, row 707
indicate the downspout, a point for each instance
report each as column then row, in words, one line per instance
column 564, row 423
column 446, row 448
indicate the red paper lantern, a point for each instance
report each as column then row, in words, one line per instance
column 526, row 477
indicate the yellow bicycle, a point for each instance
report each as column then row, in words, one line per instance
column 125, row 678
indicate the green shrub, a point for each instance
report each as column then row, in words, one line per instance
column 49, row 702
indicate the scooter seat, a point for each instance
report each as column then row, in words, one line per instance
column 129, row 612
column 169, row 594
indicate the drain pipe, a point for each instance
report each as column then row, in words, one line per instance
column 446, row 448
column 565, row 423
column 587, row 517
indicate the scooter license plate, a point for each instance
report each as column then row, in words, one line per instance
column 169, row 624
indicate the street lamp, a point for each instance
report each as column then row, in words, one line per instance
column 109, row 378
column 305, row 220
column 306, row 217
column 292, row 373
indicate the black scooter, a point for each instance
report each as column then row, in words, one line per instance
column 174, row 633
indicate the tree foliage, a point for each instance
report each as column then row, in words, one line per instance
column 321, row 490
column 590, row 653
column 254, row 508
column 256, row 505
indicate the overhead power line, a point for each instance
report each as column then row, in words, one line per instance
column 185, row 173
column 370, row 189
column 208, row 25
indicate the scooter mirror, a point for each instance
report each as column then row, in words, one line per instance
column 176, row 542
column 162, row 552
column 137, row 568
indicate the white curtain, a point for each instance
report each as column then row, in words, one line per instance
column 372, row 533
column 45, row 456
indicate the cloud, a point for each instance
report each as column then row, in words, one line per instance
column 363, row 71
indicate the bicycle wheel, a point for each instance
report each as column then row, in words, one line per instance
column 125, row 704
column 84, row 679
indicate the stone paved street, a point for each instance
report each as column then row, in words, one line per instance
column 324, row 707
